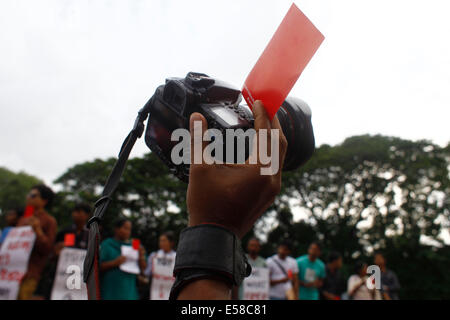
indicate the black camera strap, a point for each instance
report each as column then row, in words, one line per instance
column 91, row 262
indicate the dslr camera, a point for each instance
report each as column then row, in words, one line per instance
column 220, row 103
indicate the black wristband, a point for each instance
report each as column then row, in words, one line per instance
column 209, row 251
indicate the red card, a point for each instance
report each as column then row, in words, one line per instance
column 136, row 243
column 290, row 274
column 69, row 239
column 29, row 211
column 283, row 60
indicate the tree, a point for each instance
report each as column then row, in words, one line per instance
column 14, row 188
column 148, row 194
column 376, row 193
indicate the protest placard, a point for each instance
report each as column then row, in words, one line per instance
column 131, row 264
column 162, row 275
column 14, row 255
column 69, row 284
column 256, row 286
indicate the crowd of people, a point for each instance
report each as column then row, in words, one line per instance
column 49, row 242
column 309, row 278
column 304, row 278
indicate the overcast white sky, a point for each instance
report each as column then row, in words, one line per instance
column 73, row 73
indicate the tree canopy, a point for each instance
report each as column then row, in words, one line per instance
column 14, row 188
column 375, row 193
column 152, row 198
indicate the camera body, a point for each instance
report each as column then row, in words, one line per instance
column 173, row 103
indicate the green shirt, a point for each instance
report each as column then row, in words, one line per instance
column 309, row 271
column 114, row 283
column 259, row 262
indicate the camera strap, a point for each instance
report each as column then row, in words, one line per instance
column 91, row 262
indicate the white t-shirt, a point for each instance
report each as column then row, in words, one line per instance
column 168, row 258
column 363, row 293
column 279, row 290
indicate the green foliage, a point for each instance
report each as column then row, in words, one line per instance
column 148, row 194
column 14, row 188
column 376, row 193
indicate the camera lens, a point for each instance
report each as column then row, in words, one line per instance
column 295, row 120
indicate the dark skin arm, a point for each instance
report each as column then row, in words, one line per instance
column 107, row 265
column 356, row 288
column 275, row 282
column 296, row 283
column 58, row 248
column 231, row 195
column 306, row 284
column 206, row 289
column 318, row 283
column 44, row 238
column 142, row 261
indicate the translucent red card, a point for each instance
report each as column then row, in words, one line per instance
column 29, row 211
column 282, row 62
column 69, row 239
column 136, row 243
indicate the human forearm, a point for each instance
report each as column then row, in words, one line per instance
column 107, row 265
column 319, row 283
column 305, row 284
column 230, row 198
column 275, row 282
column 352, row 292
column 206, row 289
column 142, row 265
column 43, row 242
column 296, row 284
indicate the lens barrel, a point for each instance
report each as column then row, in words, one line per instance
column 295, row 120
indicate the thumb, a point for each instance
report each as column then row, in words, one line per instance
column 198, row 127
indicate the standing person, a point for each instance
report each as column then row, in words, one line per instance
column 254, row 259
column 116, row 284
column 44, row 225
column 356, row 285
column 311, row 273
column 333, row 284
column 80, row 216
column 160, row 267
column 389, row 281
column 11, row 219
column 283, row 274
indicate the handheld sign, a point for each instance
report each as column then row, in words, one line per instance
column 162, row 275
column 69, row 239
column 310, row 275
column 29, row 211
column 131, row 264
column 283, row 60
column 69, row 284
column 256, row 286
column 14, row 254
column 136, row 243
